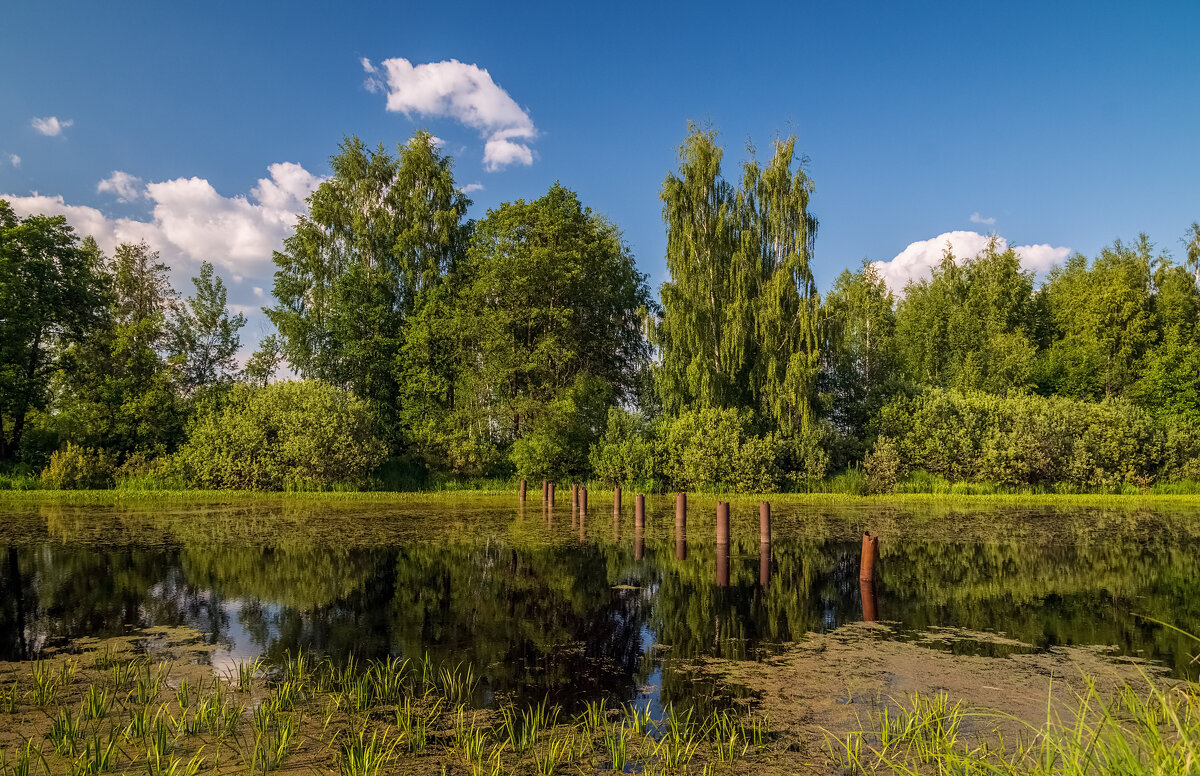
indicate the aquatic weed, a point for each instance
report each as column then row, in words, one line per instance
column 27, row 757
column 360, row 757
column 64, row 732
column 555, row 753
column 96, row 702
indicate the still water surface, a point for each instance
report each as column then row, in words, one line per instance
column 541, row 601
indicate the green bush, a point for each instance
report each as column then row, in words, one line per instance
column 287, row 435
column 883, row 466
column 1027, row 440
column 79, row 468
column 714, row 448
column 625, row 454
column 557, row 441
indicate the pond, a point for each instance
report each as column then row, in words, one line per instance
column 547, row 602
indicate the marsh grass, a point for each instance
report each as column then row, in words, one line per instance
column 114, row 711
column 1154, row 731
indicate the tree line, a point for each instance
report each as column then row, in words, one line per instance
column 414, row 345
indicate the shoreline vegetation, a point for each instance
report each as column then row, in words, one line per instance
column 599, row 497
column 417, row 349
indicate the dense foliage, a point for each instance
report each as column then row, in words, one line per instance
column 528, row 344
column 287, row 435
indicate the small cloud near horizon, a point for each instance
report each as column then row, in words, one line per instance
column 917, row 261
column 976, row 218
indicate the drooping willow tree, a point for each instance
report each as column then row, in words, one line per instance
column 740, row 313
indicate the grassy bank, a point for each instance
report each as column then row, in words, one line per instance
column 600, row 498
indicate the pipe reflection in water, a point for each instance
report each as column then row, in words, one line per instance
column 639, row 543
column 582, row 527
column 764, row 564
column 680, row 542
column 723, row 565
column 722, row 522
column 870, row 609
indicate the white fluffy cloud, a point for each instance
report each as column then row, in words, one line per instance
column 978, row 219
column 51, row 126
column 472, row 187
column 16, row 160
column 127, row 187
column 917, row 260
column 465, row 93
column 191, row 222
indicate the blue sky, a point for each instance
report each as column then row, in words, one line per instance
column 1069, row 124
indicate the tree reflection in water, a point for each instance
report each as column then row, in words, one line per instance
column 537, row 607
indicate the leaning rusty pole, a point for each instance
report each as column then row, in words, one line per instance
column 866, row 577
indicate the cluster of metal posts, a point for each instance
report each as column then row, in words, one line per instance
column 579, row 506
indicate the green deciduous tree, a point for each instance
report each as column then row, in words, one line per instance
column 51, row 292
column 1101, row 320
column 204, row 336
column 739, row 322
column 973, row 325
column 117, row 390
column 548, row 294
column 379, row 233
column 860, row 353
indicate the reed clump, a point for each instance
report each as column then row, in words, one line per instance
column 115, row 711
column 1151, row 731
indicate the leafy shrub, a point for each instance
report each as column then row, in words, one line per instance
column 1023, row 440
column 287, row 435
column 625, row 454
column 79, row 468
column 714, row 448
column 557, row 441
column 882, row 465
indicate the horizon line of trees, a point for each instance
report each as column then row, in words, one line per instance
column 430, row 345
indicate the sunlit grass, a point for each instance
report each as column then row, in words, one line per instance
column 1153, row 731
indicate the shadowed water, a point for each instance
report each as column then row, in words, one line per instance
column 539, row 601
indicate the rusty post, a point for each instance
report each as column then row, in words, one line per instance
column 870, row 549
column 616, row 499
column 574, row 495
column 551, row 492
column 681, row 510
column 582, row 500
column 723, row 565
column 522, row 490
column 764, row 522
column 723, row 522
column 639, row 511
column 545, row 490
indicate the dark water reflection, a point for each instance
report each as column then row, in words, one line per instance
column 545, row 602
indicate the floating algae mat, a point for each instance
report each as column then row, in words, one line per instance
column 608, row 646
